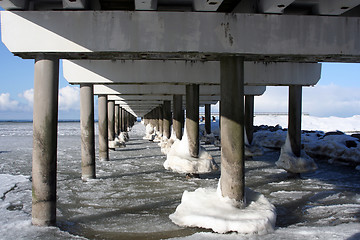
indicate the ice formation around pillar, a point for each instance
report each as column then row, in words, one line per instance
column 206, row 208
column 179, row 158
column 291, row 163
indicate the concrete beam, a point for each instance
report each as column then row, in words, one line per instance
column 148, row 5
column 13, row 4
column 155, row 97
column 145, row 34
column 206, row 5
column 186, row 72
column 274, row 6
column 205, row 90
column 74, row 4
column 334, row 7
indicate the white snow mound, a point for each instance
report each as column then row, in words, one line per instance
column 206, row 208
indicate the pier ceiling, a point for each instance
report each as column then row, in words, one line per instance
column 181, row 35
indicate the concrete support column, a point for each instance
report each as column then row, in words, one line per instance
column 87, row 131
column 294, row 121
column 126, row 120
column 207, row 118
column 44, row 157
column 178, row 117
column 249, row 117
column 167, row 119
column 156, row 117
column 111, row 120
column 192, row 118
column 161, row 116
column 232, row 181
column 117, row 120
column 122, row 119
column 103, row 128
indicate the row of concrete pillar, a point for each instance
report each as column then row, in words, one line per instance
column 45, row 118
column 232, row 124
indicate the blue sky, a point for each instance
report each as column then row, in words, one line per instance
column 336, row 94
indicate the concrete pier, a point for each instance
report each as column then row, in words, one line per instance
column 111, row 120
column 294, row 121
column 207, row 118
column 192, row 118
column 87, row 131
column 117, row 120
column 44, row 158
column 123, row 120
column 232, row 181
column 178, row 117
column 103, row 128
column 249, row 117
column 167, row 119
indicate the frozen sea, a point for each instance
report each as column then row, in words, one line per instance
column 134, row 195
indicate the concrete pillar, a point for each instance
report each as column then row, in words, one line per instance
column 45, row 117
column 103, row 128
column 126, row 120
column 156, row 117
column 87, row 131
column 161, row 116
column 207, row 118
column 117, row 120
column 178, row 116
column 111, row 120
column 232, row 181
column 294, row 121
column 192, row 118
column 167, row 119
column 249, row 117
column 122, row 120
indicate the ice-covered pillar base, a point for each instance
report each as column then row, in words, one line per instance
column 150, row 126
column 178, row 117
column 292, row 158
column 44, row 158
column 166, row 119
column 232, row 182
column 87, row 132
column 250, row 150
column 166, row 142
column 103, row 128
column 192, row 118
column 186, row 156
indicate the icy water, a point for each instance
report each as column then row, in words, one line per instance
column 133, row 194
